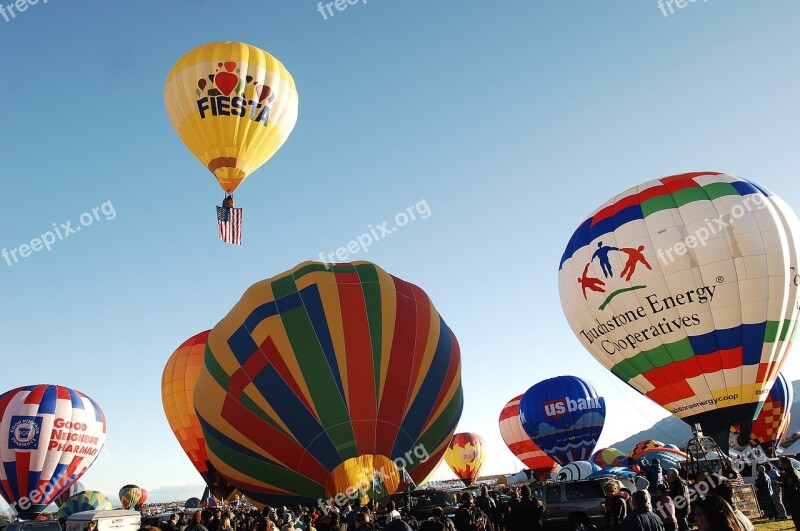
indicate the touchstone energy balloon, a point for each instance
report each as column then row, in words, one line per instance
column 520, row 444
column 609, row 458
column 686, row 289
column 89, row 500
column 177, row 396
column 49, row 436
column 233, row 105
column 326, row 376
column 771, row 424
column 564, row 416
column 129, row 495
column 465, row 456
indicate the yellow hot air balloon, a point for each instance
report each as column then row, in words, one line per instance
column 233, row 105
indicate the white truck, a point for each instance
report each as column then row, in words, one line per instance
column 118, row 520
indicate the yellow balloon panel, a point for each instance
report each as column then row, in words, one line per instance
column 233, row 105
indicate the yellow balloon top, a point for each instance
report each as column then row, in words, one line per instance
column 233, row 105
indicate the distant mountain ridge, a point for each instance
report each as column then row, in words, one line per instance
column 672, row 430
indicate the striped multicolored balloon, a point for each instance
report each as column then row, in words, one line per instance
column 49, row 436
column 326, row 377
column 89, row 500
column 686, row 289
column 520, row 444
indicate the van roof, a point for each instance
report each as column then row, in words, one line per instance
column 94, row 515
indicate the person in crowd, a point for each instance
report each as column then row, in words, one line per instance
column 497, row 515
column 665, row 508
column 466, row 514
column 764, row 493
column 225, row 524
column 362, row 521
column 616, row 507
column 679, row 492
column 724, row 489
column 488, row 506
column 391, row 513
column 777, row 499
column 527, row 511
column 641, row 482
column 642, row 517
column 171, row 524
column 197, row 524
column 654, row 473
column 712, row 513
column 790, row 489
column 439, row 522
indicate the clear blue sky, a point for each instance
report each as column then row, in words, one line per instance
column 512, row 120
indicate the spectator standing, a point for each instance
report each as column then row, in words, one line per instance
column 642, row 518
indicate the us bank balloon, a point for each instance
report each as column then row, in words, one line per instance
column 329, row 379
column 685, row 288
column 233, row 106
column 49, row 436
column 465, row 456
column 520, row 443
column 564, row 416
column 177, row 396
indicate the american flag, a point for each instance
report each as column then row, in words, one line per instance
column 230, row 224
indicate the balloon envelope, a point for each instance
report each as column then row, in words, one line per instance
column 642, row 446
column 129, row 495
column 233, row 105
column 49, row 436
column 75, row 488
column 89, row 500
column 177, row 396
column 576, row 470
column 686, row 289
column 771, row 424
column 326, row 377
column 667, row 457
column 564, row 416
column 465, row 456
column 609, row 458
column 520, row 443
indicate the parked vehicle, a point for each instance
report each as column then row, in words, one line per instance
column 32, row 525
column 421, row 502
column 572, row 504
column 106, row 521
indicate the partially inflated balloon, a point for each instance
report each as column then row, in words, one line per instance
column 667, row 457
column 686, row 289
column 49, row 436
column 564, row 416
column 129, row 495
column 520, row 444
column 465, row 456
column 192, row 503
column 577, row 470
column 75, row 488
column 766, row 431
column 609, row 458
column 89, row 500
column 327, row 376
column 642, row 446
column 177, row 396
column 233, row 105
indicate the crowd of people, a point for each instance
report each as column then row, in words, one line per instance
column 667, row 503
column 654, row 501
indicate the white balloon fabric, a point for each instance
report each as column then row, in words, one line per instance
column 576, row 470
column 686, row 288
